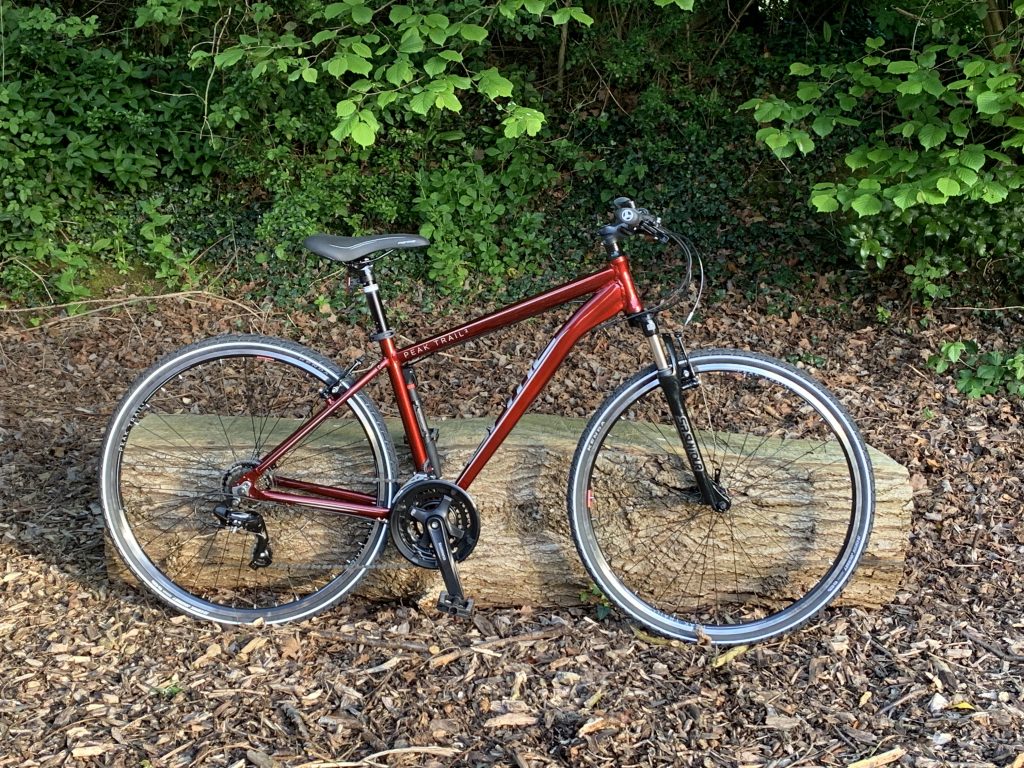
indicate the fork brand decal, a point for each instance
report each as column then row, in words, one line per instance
column 431, row 346
column 683, row 425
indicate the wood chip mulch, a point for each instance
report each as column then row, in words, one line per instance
column 95, row 673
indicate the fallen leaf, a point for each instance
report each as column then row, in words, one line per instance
column 729, row 655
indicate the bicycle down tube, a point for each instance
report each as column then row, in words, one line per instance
column 613, row 292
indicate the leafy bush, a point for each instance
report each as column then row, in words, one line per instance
column 937, row 187
column 80, row 123
column 981, row 373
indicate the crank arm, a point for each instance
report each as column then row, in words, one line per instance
column 452, row 600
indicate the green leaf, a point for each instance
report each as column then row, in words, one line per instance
column 948, row 186
column 334, row 10
column 363, row 134
column 399, row 73
column 473, row 32
column 421, row 102
column 867, row 205
column 766, row 111
column 824, row 202
column 581, row 16
column 857, row 159
column 777, row 142
column 309, row 74
column 967, row 177
column 901, row 67
column 808, row 91
column 399, row 13
column 337, row 66
column 358, row 64
column 823, row 125
column 994, row 192
column 493, row 85
column 804, row 142
column 990, row 103
column 411, row 42
column 905, row 198
column 345, row 108
column 362, row 15
column 931, row 135
column 229, row 57
column 975, row 68
column 448, row 101
column 324, row 35
column 800, row 70
column 523, row 120
column 973, row 157
column 434, row 66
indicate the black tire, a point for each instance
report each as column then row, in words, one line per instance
column 802, row 501
column 205, row 413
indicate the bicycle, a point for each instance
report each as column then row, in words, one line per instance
column 720, row 494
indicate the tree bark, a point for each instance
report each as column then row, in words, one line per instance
column 526, row 555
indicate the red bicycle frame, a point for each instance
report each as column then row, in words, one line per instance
column 613, row 292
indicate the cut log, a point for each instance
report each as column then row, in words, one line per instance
column 525, row 555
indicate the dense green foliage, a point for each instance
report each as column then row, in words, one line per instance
column 194, row 141
column 937, row 182
column 188, row 141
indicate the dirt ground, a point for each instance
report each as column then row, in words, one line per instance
column 96, row 673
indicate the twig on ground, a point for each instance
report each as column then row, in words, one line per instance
column 107, row 305
column 531, row 637
column 373, row 642
column 1004, row 655
column 370, row 759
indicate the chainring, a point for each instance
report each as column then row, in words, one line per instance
column 410, row 534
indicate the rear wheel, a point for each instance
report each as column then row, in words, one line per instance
column 181, row 438
column 801, row 501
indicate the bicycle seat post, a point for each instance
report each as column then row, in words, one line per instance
column 373, row 302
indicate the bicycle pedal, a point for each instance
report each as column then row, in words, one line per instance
column 454, row 606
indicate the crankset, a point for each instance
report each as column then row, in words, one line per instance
column 435, row 524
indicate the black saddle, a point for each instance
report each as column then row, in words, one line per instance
column 349, row 249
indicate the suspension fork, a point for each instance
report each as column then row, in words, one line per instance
column 675, row 375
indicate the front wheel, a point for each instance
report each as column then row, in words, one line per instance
column 797, row 476
column 178, row 443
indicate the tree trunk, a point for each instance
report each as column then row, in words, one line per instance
column 526, row 555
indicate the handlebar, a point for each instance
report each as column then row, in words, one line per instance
column 630, row 220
